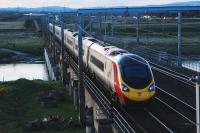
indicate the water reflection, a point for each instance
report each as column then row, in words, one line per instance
column 192, row 65
column 9, row 72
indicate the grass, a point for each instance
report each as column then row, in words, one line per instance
column 30, row 45
column 18, row 105
column 167, row 44
column 157, row 36
column 13, row 36
column 4, row 54
column 19, row 25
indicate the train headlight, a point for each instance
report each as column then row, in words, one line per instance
column 152, row 87
column 125, row 89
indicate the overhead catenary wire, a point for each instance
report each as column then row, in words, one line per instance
column 179, row 78
column 164, row 72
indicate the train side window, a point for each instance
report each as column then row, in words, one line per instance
column 75, row 34
column 69, row 41
column 97, row 62
column 76, row 47
column 57, row 32
column 93, row 40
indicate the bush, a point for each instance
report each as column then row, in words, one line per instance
column 29, row 24
column 3, row 89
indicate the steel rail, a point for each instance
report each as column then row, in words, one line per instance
column 118, row 119
column 158, row 120
column 174, row 97
column 167, row 105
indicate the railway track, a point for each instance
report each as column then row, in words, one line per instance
column 145, row 120
column 141, row 120
column 166, row 114
column 173, row 74
column 149, row 122
column 153, row 57
column 127, row 126
column 180, row 107
column 171, row 117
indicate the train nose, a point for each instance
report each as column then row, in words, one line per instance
column 140, row 95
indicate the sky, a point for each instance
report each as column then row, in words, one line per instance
column 83, row 3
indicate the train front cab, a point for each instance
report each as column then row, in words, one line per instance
column 134, row 81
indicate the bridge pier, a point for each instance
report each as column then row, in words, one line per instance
column 49, row 65
column 62, row 70
column 75, row 96
column 101, row 123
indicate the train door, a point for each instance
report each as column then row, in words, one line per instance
column 108, row 73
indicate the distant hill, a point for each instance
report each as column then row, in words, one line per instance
column 66, row 9
column 190, row 3
column 37, row 10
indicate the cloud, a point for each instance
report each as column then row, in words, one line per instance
column 83, row 3
column 7, row 3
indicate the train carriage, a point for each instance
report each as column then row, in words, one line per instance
column 127, row 76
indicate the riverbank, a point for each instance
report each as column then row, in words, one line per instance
column 18, row 36
column 14, row 56
column 30, row 44
column 19, row 106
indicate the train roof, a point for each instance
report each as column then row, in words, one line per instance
column 122, row 57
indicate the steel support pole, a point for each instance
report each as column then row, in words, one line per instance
column 100, row 24
column 62, row 50
column 162, row 23
column 90, row 120
column 112, row 26
column 137, row 29
column 105, row 33
column 80, row 64
column 197, row 103
column 54, row 41
column 49, row 34
column 179, row 37
column 90, row 25
column 46, row 31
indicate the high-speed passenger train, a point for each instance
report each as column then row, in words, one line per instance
column 127, row 76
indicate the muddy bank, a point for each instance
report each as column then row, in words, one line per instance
column 19, row 56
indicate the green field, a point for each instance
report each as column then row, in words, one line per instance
column 19, row 25
column 14, row 35
column 4, row 54
column 31, row 45
column 18, row 105
column 156, row 35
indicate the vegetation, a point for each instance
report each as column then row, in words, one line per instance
column 5, row 26
column 155, row 34
column 18, row 105
column 19, row 35
column 29, row 24
column 27, row 44
column 4, row 54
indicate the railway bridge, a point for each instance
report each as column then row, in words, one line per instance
column 174, row 108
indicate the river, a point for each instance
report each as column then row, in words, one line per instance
column 10, row 72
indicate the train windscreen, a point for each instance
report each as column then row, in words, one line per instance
column 135, row 74
column 136, row 71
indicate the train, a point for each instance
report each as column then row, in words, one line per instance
column 127, row 77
